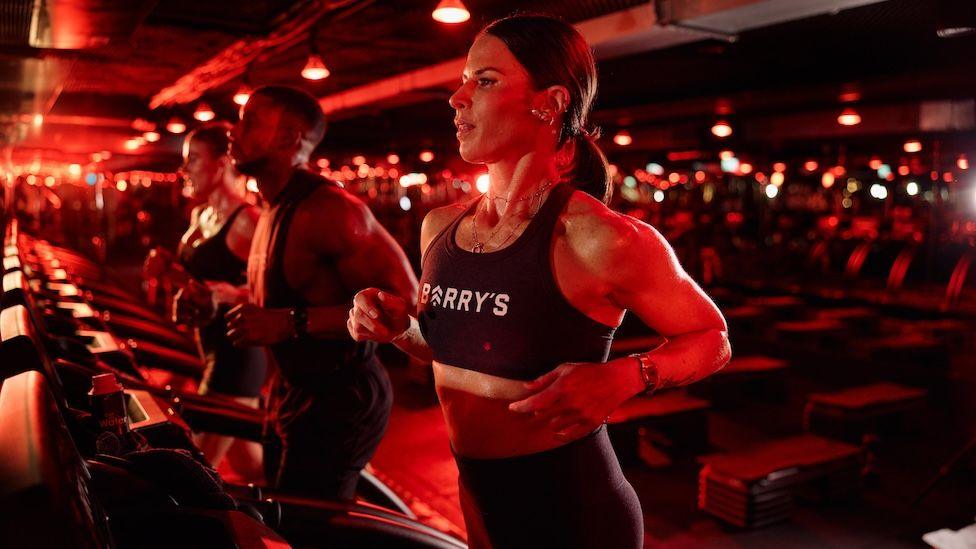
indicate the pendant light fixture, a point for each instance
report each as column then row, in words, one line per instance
column 451, row 12
column 204, row 113
column 315, row 68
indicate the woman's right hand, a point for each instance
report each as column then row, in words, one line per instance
column 377, row 315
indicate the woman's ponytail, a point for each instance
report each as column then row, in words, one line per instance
column 591, row 171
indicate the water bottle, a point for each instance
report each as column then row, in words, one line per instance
column 108, row 405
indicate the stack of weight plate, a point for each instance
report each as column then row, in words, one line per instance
column 756, row 486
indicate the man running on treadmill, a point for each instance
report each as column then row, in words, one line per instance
column 314, row 247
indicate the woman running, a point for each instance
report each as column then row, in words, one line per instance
column 521, row 292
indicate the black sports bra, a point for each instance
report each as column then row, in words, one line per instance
column 211, row 259
column 501, row 313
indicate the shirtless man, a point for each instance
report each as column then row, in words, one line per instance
column 315, row 246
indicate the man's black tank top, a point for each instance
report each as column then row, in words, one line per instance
column 305, row 359
column 211, row 259
column 501, row 313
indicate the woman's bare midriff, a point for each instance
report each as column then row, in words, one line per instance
column 478, row 420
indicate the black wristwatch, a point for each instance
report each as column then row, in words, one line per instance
column 299, row 322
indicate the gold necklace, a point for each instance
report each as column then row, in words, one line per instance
column 479, row 246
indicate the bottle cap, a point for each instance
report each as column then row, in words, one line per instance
column 103, row 384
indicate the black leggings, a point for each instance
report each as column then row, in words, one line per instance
column 571, row 496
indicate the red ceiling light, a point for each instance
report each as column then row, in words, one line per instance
column 426, row 156
column 151, row 137
column 392, row 159
column 913, row 146
column 811, row 165
column 204, row 113
column 745, row 168
column 722, row 129
column 875, row 163
column 315, row 68
column 175, row 125
column 827, row 180
column 903, row 170
column 451, row 12
column 242, row 95
column 779, row 167
column 849, row 117
column 962, row 162
column 725, row 155
column 143, row 125
column 623, row 138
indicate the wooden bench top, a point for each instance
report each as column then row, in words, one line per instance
column 867, row 396
column 751, row 364
column 759, row 461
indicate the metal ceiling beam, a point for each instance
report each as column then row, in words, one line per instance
column 651, row 26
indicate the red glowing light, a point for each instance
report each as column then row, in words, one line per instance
column 810, row 165
column 903, row 170
column 623, row 138
column 315, row 68
column 875, row 163
column 780, row 167
column 722, row 129
column 451, row 12
column 962, row 162
column 913, row 146
column 745, row 168
column 175, row 125
column 204, row 113
column 242, row 95
column 827, row 180
column 849, row 117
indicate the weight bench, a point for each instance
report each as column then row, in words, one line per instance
column 757, row 486
column 852, row 413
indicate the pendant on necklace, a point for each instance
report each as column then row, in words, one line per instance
column 479, row 247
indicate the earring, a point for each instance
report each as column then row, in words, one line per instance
column 544, row 116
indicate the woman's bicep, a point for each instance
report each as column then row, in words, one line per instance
column 648, row 280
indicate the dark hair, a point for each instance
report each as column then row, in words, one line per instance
column 299, row 104
column 213, row 135
column 554, row 53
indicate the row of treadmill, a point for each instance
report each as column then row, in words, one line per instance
column 64, row 320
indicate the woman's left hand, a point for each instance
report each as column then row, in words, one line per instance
column 577, row 397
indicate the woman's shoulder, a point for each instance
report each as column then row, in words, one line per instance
column 594, row 231
column 439, row 218
column 584, row 213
